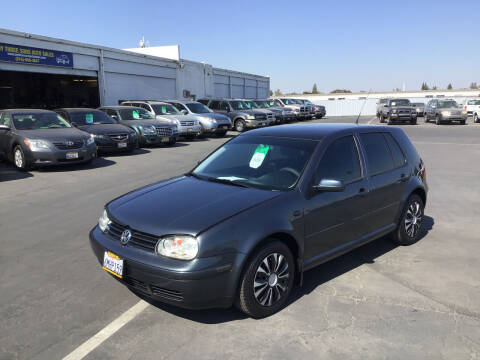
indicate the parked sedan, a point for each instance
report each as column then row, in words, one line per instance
column 150, row 131
column 263, row 208
column 419, row 108
column 31, row 138
column 210, row 122
column 109, row 135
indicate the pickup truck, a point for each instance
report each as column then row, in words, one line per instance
column 398, row 110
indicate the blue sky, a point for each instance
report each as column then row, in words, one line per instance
column 357, row 45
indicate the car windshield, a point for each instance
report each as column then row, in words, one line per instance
column 262, row 104
column 135, row 114
column 198, row 108
column 239, row 105
column 443, row 104
column 269, row 163
column 308, row 102
column 251, row 104
column 291, row 101
column 92, row 117
column 400, row 102
column 36, row 121
column 165, row 109
column 275, row 102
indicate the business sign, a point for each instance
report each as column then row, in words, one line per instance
column 28, row 55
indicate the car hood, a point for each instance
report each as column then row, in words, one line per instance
column 103, row 129
column 136, row 123
column 250, row 112
column 215, row 116
column 184, row 205
column 180, row 117
column 55, row 135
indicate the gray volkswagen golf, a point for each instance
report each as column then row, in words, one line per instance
column 263, row 208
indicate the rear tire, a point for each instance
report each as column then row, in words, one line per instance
column 410, row 225
column 267, row 280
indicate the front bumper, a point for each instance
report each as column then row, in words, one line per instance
column 208, row 283
column 218, row 127
column 256, row 123
column 157, row 139
column 404, row 117
column 193, row 130
column 59, row 157
column 108, row 145
column 453, row 117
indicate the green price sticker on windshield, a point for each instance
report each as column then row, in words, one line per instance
column 89, row 118
column 258, row 156
column 164, row 109
column 136, row 114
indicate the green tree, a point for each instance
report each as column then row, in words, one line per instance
column 473, row 85
column 425, row 86
column 449, row 87
column 278, row 92
column 314, row 89
column 271, row 93
column 434, row 87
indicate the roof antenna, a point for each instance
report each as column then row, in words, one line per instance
column 360, row 113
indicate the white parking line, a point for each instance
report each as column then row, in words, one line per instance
column 372, row 120
column 92, row 343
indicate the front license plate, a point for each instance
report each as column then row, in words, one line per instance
column 122, row 145
column 189, row 129
column 72, row 155
column 113, row 264
column 165, row 139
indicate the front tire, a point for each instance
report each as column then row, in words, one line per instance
column 413, row 122
column 438, row 121
column 267, row 280
column 19, row 159
column 240, row 125
column 475, row 118
column 409, row 228
column 382, row 119
column 389, row 120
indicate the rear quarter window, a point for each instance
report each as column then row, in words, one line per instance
column 398, row 156
column 379, row 158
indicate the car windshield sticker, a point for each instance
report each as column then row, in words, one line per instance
column 89, row 118
column 164, row 109
column 136, row 114
column 258, row 156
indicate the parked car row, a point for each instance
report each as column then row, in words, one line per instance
column 439, row 110
column 31, row 138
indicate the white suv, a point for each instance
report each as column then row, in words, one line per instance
column 470, row 105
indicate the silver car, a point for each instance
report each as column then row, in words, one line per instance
column 210, row 122
column 444, row 111
column 188, row 125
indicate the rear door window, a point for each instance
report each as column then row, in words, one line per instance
column 214, row 105
column 398, row 157
column 379, row 158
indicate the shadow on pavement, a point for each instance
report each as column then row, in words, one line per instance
column 96, row 163
column 138, row 151
column 365, row 254
column 9, row 173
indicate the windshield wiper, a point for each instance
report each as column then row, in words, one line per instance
column 226, row 181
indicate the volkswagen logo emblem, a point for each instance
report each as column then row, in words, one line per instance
column 126, row 236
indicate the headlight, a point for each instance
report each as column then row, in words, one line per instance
column 446, row 113
column 181, row 247
column 296, row 110
column 394, row 111
column 97, row 136
column 104, row 222
column 148, row 130
column 250, row 117
column 37, row 144
column 418, row 109
column 464, row 112
column 90, row 140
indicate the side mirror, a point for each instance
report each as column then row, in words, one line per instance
column 184, row 112
column 329, row 185
column 4, row 127
column 114, row 117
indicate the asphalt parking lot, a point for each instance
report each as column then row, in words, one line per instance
column 379, row 301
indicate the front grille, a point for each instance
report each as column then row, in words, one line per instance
column 139, row 239
column 304, row 109
column 260, row 117
column 154, row 290
column 270, row 117
column 67, row 145
column 118, row 137
column 164, row 131
column 187, row 123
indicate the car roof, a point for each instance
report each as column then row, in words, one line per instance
column 312, row 131
column 77, row 109
column 26, row 110
column 119, row 107
column 148, row 101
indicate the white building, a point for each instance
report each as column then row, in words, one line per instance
column 39, row 71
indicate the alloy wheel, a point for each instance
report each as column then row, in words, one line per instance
column 271, row 279
column 18, row 158
column 413, row 219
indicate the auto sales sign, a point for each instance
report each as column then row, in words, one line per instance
column 33, row 56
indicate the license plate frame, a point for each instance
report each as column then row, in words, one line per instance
column 122, row 145
column 71, row 155
column 113, row 264
column 165, row 139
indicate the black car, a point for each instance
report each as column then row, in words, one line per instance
column 108, row 134
column 259, row 211
column 150, row 131
column 31, row 138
